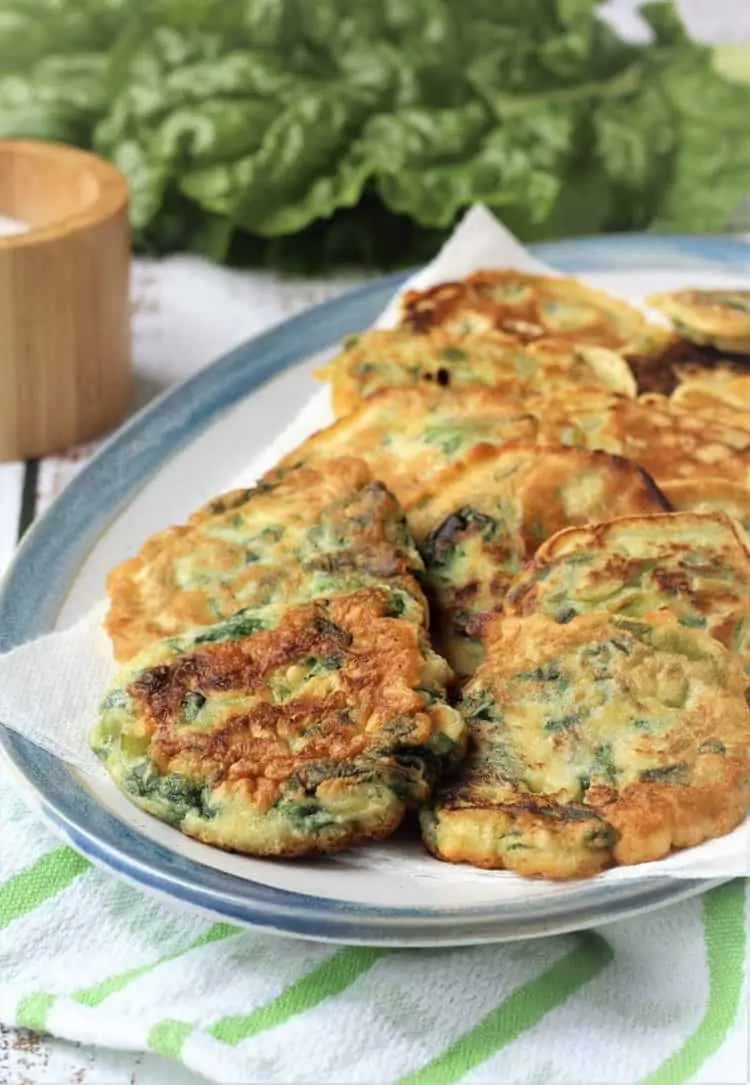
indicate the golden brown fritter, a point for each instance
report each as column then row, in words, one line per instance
column 407, row 435
column 562, row 363
column 661, row 437
column 604, row 741
column 526, row 306
column 485, row 517
column 723, row 397
column 395, row 357
column 302, row 533
column 284, row 730
column 710, row 495
column 540, row 488
column 719, row 318
column 695, row 564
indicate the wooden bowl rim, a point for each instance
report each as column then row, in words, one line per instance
column 111, row 198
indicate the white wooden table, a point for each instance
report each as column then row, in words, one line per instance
column 185, row 314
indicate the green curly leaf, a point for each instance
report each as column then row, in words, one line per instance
column 302, row 134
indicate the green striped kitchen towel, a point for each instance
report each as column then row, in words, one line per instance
column 659, row 999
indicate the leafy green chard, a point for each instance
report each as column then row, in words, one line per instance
column 176, row 795
column 693, row 621
column 449, row 437
column 563, row 723
column 666, row 774
column 191, row 705
column 241, row 624
column 603, row 768
column 480, row 705
column 286, row 132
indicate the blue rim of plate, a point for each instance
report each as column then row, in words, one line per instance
column 37, row 581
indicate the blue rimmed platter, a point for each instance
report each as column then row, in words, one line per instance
column 191, row 443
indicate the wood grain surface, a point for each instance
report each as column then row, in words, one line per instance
column 65, row 373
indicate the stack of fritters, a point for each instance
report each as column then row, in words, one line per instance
column 581, row 549
column 568, row 358
column 555, row 783
column 484, row 518
column 284, row 698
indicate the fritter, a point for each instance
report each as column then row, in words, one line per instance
column 710, row 495
column 395, row 358
column 284, row 730
column 407, row 435
column 694, row 564
column 298, row 534
column 719, row 318
column 662, row 361
column 604, row 741
column 705, row 410
column 526, row 306
column 724, row 397
column 562, row 363
column 485, row 517
column 666, row 440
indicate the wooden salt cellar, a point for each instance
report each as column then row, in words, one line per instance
column 65, row 373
